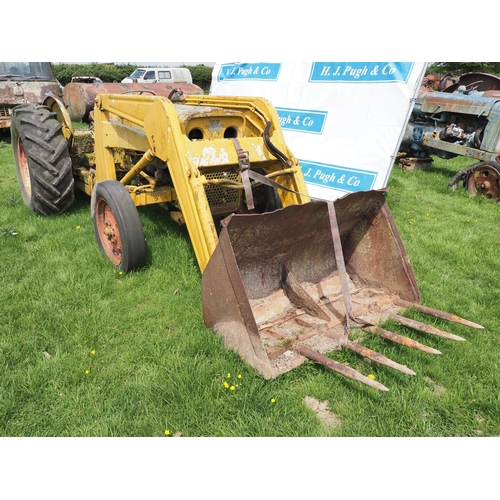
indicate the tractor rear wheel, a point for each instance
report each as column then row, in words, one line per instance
column 117, row 225
column 43, row 164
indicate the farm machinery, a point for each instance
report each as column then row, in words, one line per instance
column 23, row 82
column 461, row 120
column 285, row 278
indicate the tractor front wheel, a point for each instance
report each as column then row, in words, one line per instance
column 484, row 179
column 117, row 226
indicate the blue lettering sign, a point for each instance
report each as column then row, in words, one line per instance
column 302, row 120
column 360, row 72
column 339, row 178
column 249, row 71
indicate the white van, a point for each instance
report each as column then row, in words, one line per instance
column 159, row 75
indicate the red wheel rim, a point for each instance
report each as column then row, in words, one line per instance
column 23, row 166
column 486, row 181
column 107, row 229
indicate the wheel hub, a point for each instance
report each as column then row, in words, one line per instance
column 485, row 181
column 107, row 227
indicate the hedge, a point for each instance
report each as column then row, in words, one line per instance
column 202, row 75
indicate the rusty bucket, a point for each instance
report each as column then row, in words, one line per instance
column 287, row 286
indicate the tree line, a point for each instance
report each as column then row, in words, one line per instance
column 442, row 68
column 202, row 75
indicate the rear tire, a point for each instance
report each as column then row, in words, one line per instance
column 117, row 226
column 43, row 164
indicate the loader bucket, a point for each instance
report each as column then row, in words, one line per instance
column 278, row 294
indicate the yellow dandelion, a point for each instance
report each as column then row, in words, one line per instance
column 87, row 372
column 92, row 351
column 371, row 376
column 228, row 375
column 78, row 227
column 239, row 375
column 121, row 272
column 167, row 433
column 273, row 400
column 226, row 385
column 232, row 388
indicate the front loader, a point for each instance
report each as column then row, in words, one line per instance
column 284, row 278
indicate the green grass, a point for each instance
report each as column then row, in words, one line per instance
column 153, row 366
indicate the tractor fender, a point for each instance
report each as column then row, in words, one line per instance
column 57, row 106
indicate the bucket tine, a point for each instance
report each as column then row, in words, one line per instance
column 437, row 313
column 422, row 327
column 400, row 339
column 377, row 357
column 339, row 367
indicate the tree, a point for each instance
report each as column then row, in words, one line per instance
column 441, row 68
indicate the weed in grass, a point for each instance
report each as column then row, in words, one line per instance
column 8, row 231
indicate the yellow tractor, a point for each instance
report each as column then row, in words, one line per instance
column 284, row 278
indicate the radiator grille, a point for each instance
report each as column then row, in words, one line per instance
column 222, row 200
column 4, row 112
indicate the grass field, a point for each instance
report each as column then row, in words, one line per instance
column 88, row 351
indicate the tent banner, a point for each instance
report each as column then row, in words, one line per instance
column 344, row 121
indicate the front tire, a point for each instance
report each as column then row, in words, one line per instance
column 117, row 225
column 484, row 179
column 43, row 164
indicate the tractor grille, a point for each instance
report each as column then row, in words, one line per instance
column 222, row 200
column 4, row 112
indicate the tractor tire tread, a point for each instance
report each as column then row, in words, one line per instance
column 47, row 155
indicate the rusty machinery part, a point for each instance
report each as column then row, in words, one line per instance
column 464, row 122
column 471, row 81
column 485, row 179
column 42, row 160
column 57, row 106
column 117, row 226
column 22, row 83
column 177, row 95
column 79, row 97
column 282, row 302
column 481, row 178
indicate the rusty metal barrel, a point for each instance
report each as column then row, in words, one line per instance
column 79, row 97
